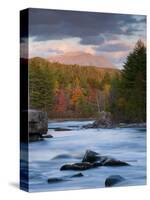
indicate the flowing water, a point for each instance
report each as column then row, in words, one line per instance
column 46, row 157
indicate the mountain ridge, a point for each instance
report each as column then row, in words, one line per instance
column 82, row 58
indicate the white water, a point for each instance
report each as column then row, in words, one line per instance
column 126, row 144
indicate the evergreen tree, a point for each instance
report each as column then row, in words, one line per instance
column 134, row 83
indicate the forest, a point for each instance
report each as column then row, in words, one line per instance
column 73, row 91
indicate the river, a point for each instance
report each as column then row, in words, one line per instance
column 46, row 157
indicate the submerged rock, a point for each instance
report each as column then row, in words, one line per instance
column 62, row 156
column 113, row 180
column 47, row 136
column 62, row 129
column 55, row 180
column 77, row 175
column 64, row 178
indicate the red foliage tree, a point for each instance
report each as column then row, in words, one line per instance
column 60, row 102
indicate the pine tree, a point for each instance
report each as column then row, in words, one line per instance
column 134, row 83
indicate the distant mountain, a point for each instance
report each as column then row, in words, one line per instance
column 82, row 58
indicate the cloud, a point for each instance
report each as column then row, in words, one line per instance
column 53, row 32
column 91, row 27
column 95, row 40
column 55, row 47
column 118, row 47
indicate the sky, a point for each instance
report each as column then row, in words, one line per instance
column 55, row 32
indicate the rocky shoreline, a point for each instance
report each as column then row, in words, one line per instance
column 105, row 120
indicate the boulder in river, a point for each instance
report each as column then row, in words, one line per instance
column 92, row 159
column 37, row 125
column 113, row 180
column 104, row 121
column 38, row 121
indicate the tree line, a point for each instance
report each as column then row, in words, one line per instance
column 73, row 91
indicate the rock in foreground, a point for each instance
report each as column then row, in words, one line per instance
column 113, row 180
column 92, row 159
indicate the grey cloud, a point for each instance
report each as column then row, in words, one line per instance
column 95, row 40
column 113, row 47
column 89, row 26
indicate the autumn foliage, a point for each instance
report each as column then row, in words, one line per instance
column 68, row 90
column 73, row 91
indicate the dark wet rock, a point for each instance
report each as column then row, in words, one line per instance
column 37, row 125
column 62, row 129
column 47, row 136
column 93, row 159
column 113, row 180
column 77, row 175
column 62, row 156
column 114, row 162
column 77, row 166
column 35, row 138
column 80, row 166
column 90, row 156
column 55, row 180
column 97, row 164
